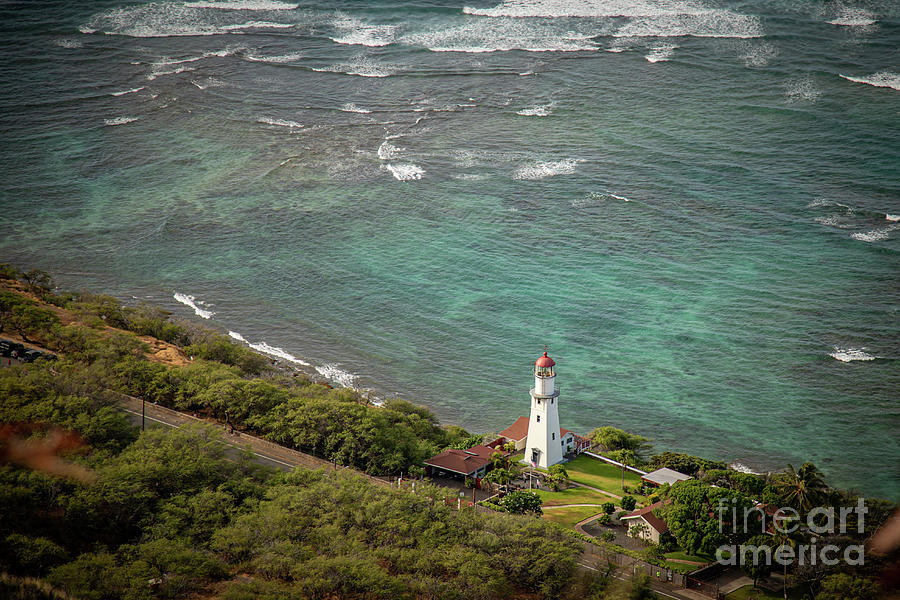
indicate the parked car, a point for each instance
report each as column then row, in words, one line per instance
column 31, row 355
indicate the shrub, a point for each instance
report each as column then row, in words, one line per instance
column 604, row 519
column 628, row 502
column 609, row 508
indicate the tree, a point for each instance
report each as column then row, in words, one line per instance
column 843, row 586
column 683, row 463
column 802, row 489
column 38, row 280
column 628, row 502
column 757, row 564
column 558, row 477
column 522, row 502
column 626, row 457
column 612, row 438
column 609, row 508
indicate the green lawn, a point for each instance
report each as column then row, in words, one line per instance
column 601, row 475
column 693, row 557
column 570, row 515
column 681, row 567
column 574, row 495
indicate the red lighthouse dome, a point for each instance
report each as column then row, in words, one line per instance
column 544, row 362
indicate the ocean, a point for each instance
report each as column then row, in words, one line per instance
column 695, row 204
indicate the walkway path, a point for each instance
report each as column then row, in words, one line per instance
column 567, row 505
column 598, row 490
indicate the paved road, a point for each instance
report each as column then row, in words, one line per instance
column 265, row 451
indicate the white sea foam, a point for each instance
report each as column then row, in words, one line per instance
column 405, row 171
column 660, row 53
column 491, row 35
column 542, row 110
column 279, row 122
column 387, row 151
column 355, row 32
column 208, row 83
column 645, row 18
column 850, row 354
column 853, row 17
column 881, row 79
column 891, row 217
column 119, row 120
column 277, row 59
column 131, row 91
column 361, row 68
column 875, row 235
column 541, row 169
column 350, row 107
column 802, row 90
column 244, row 5
column 191, row 301
column 270, row 350
column 69, row 43
column 161, row 72
column 835, row 221
column 742, row 468
column 337, row 375
column 256, row 25
column 759, row 54
column 166, row 19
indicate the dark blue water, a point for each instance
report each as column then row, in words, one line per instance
column 696, row 205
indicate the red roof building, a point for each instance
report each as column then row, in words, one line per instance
column 654, row 526
column 473, row 462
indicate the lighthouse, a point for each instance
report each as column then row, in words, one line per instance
column 544, row 446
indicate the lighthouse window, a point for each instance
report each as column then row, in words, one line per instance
column 538, row 418
column 554, row 435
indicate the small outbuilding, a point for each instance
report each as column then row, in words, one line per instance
column 662, row 476
column 643, row 524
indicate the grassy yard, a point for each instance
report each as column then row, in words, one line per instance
column 574, row 495
column 570, row 515
column 693, row 557
column 601, row 475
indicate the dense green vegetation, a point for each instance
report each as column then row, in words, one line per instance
column 225, row 381
column 170, row 512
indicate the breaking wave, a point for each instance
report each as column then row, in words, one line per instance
column 119, row 121
column 541, row 170
column 354, row 32
column 163, row 19
column 350, row 107
column 279, row 122
column 853, row 17
column 875, row 235
column 645, row 18
column 270, row 350
column 405, row 171
column 880, row 79
column 337, row 375
column 850, row 354
column 660, row 53
column 536, row 111
column 244, row 5
column 131, row 91
column 191, row 301
column 360, row 68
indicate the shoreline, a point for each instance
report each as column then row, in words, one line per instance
column 289, row 363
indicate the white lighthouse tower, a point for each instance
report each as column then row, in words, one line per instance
column 544, row 446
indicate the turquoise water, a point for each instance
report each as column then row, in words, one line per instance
column 694, row 204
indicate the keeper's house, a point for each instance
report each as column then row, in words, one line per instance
column 473, row 462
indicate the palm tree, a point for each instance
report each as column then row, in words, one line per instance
column 782, row 537
column 627, row 458
column 803, row 489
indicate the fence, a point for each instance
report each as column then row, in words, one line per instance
column 634, row 565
